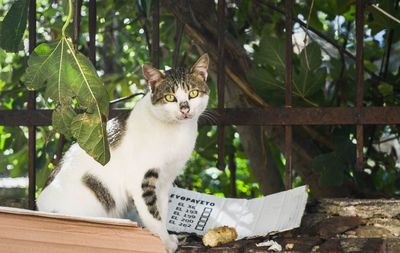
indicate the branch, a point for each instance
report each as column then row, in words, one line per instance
column 244, row 87
column 376, row 7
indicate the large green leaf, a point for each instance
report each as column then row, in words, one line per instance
column 88, row 129
column 311, row 76
column 71, row 80
column 267, row 78
column 13, row 26
column 271, row 52
column 62, row 119
column 269, row 87
column 330, row 167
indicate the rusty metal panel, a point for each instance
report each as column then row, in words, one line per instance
column 246, row 116
column 32, row 106
column 288, row 90
column 313, row 116
column 220, row 83
column 360, row 79
column 76, row 23
column 92, row 31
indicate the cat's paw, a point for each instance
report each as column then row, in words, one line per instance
column 171, row 243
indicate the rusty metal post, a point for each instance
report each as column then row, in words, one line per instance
column 232, row 169
column 288, row 91
column 32, row 106
column 155, row 34
column 360, row 80
column 220, row 83
column 76, row 23
column 92, row 31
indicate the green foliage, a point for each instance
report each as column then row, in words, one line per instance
column 268, row 76
column 202, row 175
column 321, row 77
column 71, row 80
column 13, row 26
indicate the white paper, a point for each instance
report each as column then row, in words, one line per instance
column 271, row 244
column 194, row 212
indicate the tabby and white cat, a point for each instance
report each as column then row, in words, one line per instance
column 147, row 153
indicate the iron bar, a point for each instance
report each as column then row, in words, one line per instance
column 232, row 169
column 246, row 116
column 32, row 107
column 155, row 34
column 220, row 83
column 360, row 79
column 76, row 23
column 288, row 90
column 92, row 31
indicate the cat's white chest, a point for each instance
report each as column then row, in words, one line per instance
column 157, row 145
column 176, row 145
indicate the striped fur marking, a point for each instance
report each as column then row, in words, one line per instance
column 116, row 128
column 52, row 175
column 149, row 192
column 99, row 190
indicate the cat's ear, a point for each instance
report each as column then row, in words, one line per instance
column 152, row 75
column 201, row 67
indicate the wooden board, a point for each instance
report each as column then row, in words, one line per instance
column 37, row 232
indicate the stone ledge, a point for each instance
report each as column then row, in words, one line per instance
column 330, row 225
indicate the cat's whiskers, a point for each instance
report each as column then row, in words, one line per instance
column 209, row 117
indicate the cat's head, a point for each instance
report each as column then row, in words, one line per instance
column 181, row 94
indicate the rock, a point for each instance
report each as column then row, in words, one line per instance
column 370, row 245
column 393, row 225
column 372, row 232
column 337, row 225
column 365, row 208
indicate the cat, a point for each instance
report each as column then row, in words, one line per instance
column 147, row 153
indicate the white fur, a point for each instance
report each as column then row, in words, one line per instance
column 156, row 137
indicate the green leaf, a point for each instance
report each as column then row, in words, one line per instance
column 13, row 26
column 310, row 57
column 69, row 76
column 385, row 89
column 271, row 53
column 268, row 77
column 88, row 129
column 331, row 169
column 270, row 88
column 62, row 119
column 311, row 76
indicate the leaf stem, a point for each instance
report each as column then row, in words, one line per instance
column 69, row 17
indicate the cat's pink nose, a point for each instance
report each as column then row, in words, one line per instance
column 185, row 110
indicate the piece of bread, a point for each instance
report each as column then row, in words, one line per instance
column 219, row 235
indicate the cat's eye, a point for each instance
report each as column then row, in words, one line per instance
column 193, row 93
column 170, row 98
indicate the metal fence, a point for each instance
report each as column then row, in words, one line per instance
column 286, row 116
